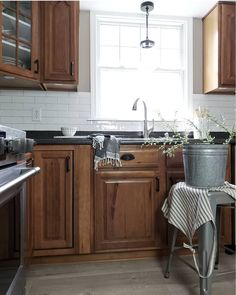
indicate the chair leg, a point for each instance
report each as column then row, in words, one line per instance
column 218, row 223
column 172, row 248
column 204, row 253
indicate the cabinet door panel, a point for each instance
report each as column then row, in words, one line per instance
column 60, row 40
column 52, row 201
column 219, row 44
column 19, row 39
column 127, row 210
column 122, row 222
column 228, row 45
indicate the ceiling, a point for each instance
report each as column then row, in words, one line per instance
column 190, row 8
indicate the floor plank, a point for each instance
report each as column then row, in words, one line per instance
column 139, row 277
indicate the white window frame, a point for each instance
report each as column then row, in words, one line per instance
column 188, row 47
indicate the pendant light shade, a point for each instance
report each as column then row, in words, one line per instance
column 146, row 7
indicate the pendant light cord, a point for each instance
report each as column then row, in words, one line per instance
column 147, row 14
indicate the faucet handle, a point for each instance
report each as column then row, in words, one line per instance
column 152, row 128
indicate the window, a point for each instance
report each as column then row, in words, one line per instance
column 122, row 71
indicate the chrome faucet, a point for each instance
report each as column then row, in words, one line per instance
column 146, row 131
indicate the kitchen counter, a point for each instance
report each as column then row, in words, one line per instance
column 51, row 137
column 82, row 137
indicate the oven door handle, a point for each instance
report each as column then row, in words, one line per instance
column 25, row 173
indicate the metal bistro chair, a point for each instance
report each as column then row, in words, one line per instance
column 205, row 242
column 229, row 249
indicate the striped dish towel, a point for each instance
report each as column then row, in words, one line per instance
column 187, row 208
column 107, row 151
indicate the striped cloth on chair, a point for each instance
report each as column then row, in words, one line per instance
column 187, row 208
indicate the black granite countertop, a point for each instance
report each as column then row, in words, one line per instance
column 82, row 137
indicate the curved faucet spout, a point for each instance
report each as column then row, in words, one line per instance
column 146, row 132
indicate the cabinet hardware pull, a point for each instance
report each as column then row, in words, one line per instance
column 127, row 157
column 72, row 68
column 36, row 62
column 67, row 163
column 157, row 184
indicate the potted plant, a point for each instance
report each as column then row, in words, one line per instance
column 204, row 158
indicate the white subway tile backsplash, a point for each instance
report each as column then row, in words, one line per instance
column 22, row 99
column 57, row 107
column 12, row 92
column 84, row 101
column 15, row 113
column 68, row 100
column 46, row 99
column 11, row 106
column 218, row 105
column 31, row 93
column 79, row 107
column 83, row 115
column 13, row 120
column 30, row 106
column 57, row 93
column 56, row 114
column 81, row 94
column 4, row 98
column 74, row 108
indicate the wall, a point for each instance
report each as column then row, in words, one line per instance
column 197, row 56
column 66, row 108
column 84, row 52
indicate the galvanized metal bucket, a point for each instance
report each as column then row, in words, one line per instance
column 205, row 164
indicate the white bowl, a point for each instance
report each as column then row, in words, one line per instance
column 68, row 131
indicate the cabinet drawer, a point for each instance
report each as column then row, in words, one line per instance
column 137, row 156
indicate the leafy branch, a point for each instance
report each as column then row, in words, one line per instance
column 221, row 124
column 169, row 145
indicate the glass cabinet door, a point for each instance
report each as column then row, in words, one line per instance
column 17, row 33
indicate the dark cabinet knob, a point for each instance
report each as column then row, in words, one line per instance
column 36, row 62
column 72, row 68
column 157, row 184
column 127, row 157
column 68, row 164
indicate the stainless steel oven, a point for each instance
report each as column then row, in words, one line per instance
column 13, row 214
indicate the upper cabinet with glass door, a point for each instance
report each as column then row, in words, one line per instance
column 19, row 38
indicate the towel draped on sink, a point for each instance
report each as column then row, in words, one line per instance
column 107, row 151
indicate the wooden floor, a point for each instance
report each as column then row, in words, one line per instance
column 139, row 277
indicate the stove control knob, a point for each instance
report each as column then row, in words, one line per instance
column 17, row 145
column 29, row 145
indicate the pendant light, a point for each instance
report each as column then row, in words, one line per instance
column 146, row 7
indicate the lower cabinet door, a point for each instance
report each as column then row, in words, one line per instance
column 128, row 210
column 52, row 202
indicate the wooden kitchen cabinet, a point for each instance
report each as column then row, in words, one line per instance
column 19, row 47
column 39, row 45
column 60, row 29
column 128, row 203
column 104, row 214
column 219, row 45
column 52, row 203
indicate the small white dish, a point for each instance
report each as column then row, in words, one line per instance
column 68, row 131
column 75, row 136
